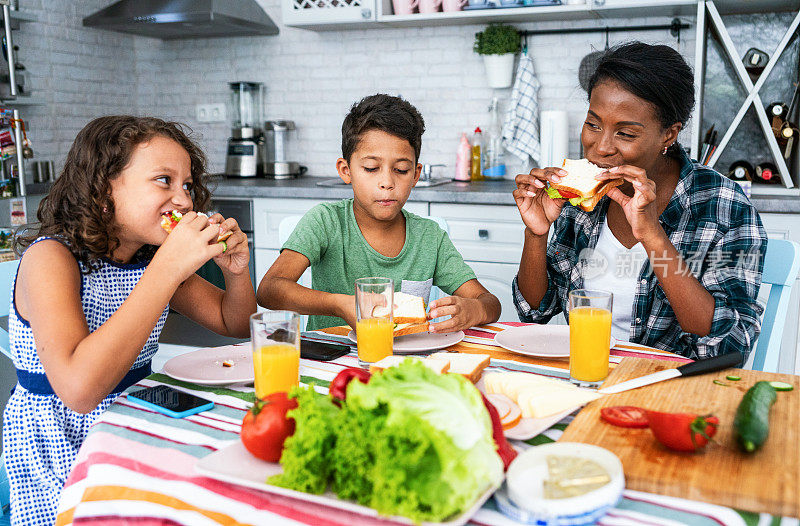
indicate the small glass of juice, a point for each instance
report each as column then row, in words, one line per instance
column 589, row 336
column 374, row 325
column 275, row 336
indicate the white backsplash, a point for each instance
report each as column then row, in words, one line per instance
column 311, row 77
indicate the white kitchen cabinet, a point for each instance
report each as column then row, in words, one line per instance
column 489, row 233
column 786, row 226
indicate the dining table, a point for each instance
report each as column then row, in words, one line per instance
column 137, row 466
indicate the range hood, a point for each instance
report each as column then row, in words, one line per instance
column 175, row 19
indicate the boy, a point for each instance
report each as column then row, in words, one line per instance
column 371, row 234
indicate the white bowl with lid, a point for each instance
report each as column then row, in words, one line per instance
column 522, row 496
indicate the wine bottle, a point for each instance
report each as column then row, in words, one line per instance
column 767, row 172
column 741, row 171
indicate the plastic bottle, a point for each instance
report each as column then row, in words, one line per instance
column 463, row 159
column 476, row 169
column 495, row 167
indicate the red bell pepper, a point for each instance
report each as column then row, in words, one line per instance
column 504, row 449
column 338, row 387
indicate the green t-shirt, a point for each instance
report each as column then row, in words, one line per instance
column 330, row 238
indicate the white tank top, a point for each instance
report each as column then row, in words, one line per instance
column 613, row 267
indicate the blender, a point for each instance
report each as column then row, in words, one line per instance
column 247, row 139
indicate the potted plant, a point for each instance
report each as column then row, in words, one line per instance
column 498, row 44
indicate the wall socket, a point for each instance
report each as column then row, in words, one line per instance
column 210, row 112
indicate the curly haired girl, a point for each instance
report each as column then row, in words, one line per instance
column 94, row 287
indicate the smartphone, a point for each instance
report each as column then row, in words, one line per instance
column 321, row 351
column 170, row 401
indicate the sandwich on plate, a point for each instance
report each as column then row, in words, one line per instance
column 409, row 314
column 169, row 220
column 579, row 185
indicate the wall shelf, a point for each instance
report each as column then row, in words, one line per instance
column 709, row 17
column 23, row 101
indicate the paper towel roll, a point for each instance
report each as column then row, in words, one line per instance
column 554, row 139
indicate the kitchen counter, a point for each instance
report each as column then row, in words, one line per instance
column 481, row 193
column 484, row 193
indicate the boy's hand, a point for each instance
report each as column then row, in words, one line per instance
column 464, row 312
column 236, row 254
column 188, row 246
column 346, row 309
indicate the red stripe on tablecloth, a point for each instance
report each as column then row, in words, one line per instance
column 154, row 435
column 139, row 521
column 288, row 507
column 684, row 510
column 637, row 519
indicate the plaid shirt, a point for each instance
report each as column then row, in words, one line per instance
column 718, row 232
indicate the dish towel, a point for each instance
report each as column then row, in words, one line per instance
column 521, row 126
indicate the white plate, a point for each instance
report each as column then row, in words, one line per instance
column 546, row 341
column 421, row 341
column 530, row 427
column 236, row 465
column 204, row 366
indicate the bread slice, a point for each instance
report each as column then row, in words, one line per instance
column 409, row 314
column 469, row 365
column 580, row 180
column 436, row 365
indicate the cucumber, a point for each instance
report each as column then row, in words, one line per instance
column 781, row 386
column 751, row 424
column 734, row 378
column 720, row 383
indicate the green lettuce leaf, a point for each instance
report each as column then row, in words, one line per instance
column 553, row 193
column 410, row 442
column 306, row 457
column 575, row 201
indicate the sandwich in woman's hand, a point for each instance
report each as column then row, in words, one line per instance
column 580, row 186
column 169, row 220
column 409, row 314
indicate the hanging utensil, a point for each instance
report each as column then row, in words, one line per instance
column 589, row 64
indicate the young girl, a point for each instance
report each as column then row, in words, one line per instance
column 95, row 285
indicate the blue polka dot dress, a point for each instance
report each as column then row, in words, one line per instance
column 41, row 436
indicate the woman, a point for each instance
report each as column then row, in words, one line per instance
column 680, row 246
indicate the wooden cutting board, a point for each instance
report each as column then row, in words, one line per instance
column 765, row 481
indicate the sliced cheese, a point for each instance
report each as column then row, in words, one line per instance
column 540, row 405
column 510, row 384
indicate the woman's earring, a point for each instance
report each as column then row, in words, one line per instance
column 665, row 150
column 105, row 209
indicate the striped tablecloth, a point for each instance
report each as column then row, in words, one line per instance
column 137, row 466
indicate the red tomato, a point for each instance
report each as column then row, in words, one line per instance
column 567, row 195
column 624, row 416
column 265, row 427
column 682, row 431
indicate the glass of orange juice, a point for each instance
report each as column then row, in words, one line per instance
column 589, row 336
column 275, row 336
column 374, row 325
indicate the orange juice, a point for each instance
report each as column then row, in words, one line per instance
column 277, row 368
column 374, row 336
column 589, row 337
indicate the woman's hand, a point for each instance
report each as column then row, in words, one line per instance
column 640, row 210
column 464, row 312
column 236, row 253
column 188, row 246
column 537, row 209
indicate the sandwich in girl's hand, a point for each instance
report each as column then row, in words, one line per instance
column 409, row 314
column 580, row 186
column 169, row 220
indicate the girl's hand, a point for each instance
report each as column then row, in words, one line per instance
column 537, row 209
column 640, row 210
column 188, row 246
column 236, row 253
column 464, row 312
